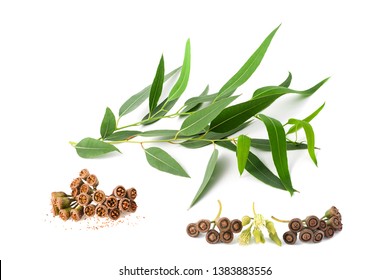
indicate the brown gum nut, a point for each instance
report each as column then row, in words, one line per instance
column 75, row 191
column 295, row 225
column 133, row 206
column 76, row 183
column 99, row 196
column 192, row 230
column 322, row 225
column 111, row 202
column 85, row 188
column 77, row 213
column 318, row 236
column 203, row 225
column 84, row 199
column 89, row 210
column 124, row 204
column 119, row 191
column 131, row 193
column 92, row 180
column 223, row 224
column 64, row 214
column 226, row 236
column 312, row 222
column 306, row 235
column 101, row 211
column 84, row 174
column 212, row 236
column 340, row 227
column 290, row 237
column 114, row 214
column 236, row 226
column 329, row 232
column 334, row 222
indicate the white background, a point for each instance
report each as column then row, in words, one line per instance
column 63, row 62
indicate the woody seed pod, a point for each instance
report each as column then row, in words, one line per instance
column 246, row 220
column 76, row 183
column 63, row 202
column 212, row 236
column 65, row 213
column 131, row 193
column 334, row 222
column 55, row 210
column 322, row 225
column 85, row 188
column 306, row 235
column 99, row 196
column 114, row 214
column 77, row 213
column 339, row 216
column 236, row 226
column 318, row 236
column 295, row 225
column 124, row 204
column 312, row 222
column 226, row 236
column 101, row 211
column 329, row 232
column 89, row 210
column 203, row 225
column 92, row 180
column 120, row 192
column 133, row 206
column 332, row 211
column 223, row 224
column 84, row 174
column 75, row 191
column 84, row 199
column 58, row 194
column 290, row 237
column 192, row 230
column 111, row 202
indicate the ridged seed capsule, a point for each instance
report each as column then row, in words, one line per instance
column 236, row 226
column 226, row 236
column 192, row 230
column 312, row 222
column 306, row 235
column 295, row 225
column 223, row 224
column 89, row 210
column 290, row 237
column 318, row 236
column 120, row 191
column 203, row 225
column 212, row 236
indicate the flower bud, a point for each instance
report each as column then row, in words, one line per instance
column 258, row 235
column 76, row 183
column 270, row 227
column 131, row 193
column 89, row 210
column 295, row 225
column 318, row 236
column 236, row 226
column 92, row 180
column 226, row 236
column 212, row 236
column 124, row 204
column 84, row 174
column 223, row 224
column 77, row 213
column 85, row 188
column 290, row 237
column 65, row 213
column 329, row 232
column 245, row 236
column 111, row 202
column 334, row 222
column 120, row 192
column 245, row 220
column 306, row 235
column 312, row 222
column 203, row 225
column 63, row 202
column 322, row 225
column 99, row 196
column 114, row 214
column 192, row 230
column 84, row 199
column 258, row 220
column 332, row 211
column 101, row 211
column 275, row 238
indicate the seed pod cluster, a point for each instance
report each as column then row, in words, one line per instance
column 86, row 200
column 224, row 233
column 312, row 229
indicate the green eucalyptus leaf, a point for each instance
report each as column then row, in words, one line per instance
column 159, row 112
column 195, row 104
column 243, row 146
column 277, row 139
column 287, row 82
column 198, row 120
column 162, row 161
column 257, row 168
column 247, row 69
column 181, row 84
column 92, row 148
column 264, row 145
column 207, row 176
column 157, row 86
column 108, row 125
column 298, row 126
column 309, row 136
column 123, row 135
column 137, row 99
column 169, row 133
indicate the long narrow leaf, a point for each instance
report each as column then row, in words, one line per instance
column 248, row 68
column 108, row 125
column 207, row 176
column 264, row 145
column 192, row 106
column 92, row 148
column 162, row 161
column 182, row 82
column 298, row 126
column 158, row 113
column 157, row 86
column 159, row 133
column 123, row 135
column 277, row 139
column 243, row 146
column 287, row 82
column 137, row 99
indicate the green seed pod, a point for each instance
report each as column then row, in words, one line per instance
column 270, row 227
column 77, row 213
column 212, row 236
column 318, row 236
column 226, row 236
column 89, row 210
column 332, row 211
column 290, row 237
column 58, row 194
column 275, row 238
column 245, row 220
column 192, row 230
column 306, row 235
column 203, row 225
column 236, row 226
column 295, row 225
column 312, row 222
column 223, row 224
column 258, row 235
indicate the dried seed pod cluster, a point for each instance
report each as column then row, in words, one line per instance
column 225, row 233
column 86, row 199
column 313, row 229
